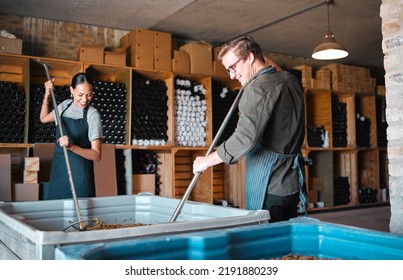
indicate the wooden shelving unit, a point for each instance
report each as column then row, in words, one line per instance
column 362, row 166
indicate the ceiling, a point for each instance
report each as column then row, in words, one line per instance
column 292, row 27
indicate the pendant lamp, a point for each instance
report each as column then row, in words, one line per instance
column 329, row 49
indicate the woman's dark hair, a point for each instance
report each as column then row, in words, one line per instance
column 81, row 78
column 242, row 46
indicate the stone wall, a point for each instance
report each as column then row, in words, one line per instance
column 392, row 44
column 57, row 39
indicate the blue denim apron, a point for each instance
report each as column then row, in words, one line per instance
column 82, row 169
column 259, row 166
column 257, row 177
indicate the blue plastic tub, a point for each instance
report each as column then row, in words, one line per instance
column 303, row 236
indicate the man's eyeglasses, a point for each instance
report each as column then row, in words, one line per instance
column 231, row 69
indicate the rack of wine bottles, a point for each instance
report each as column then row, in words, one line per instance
column 222, row 102
column 120, row 160
column 149, row 113
column 315, row 135
column 190, row 113
column 341, row 190
column 110, row 101
column 367, row 195
column 339, row 122
column 40, row 132
column 363, row 131
column 146, row 162
column 382, row 125
column 12, row 113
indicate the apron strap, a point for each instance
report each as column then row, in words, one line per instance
column 300, row 162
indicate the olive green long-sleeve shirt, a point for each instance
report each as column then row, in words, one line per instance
column 271, row 113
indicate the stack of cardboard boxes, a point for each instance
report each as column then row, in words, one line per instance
column 29, row 189
column 148, row 49
column 102, row 55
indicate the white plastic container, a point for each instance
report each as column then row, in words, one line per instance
column 32, row 230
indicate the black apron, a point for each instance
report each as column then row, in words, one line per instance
column 82, row 169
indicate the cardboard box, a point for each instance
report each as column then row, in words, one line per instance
column 162, row 51
column 143, row 183
column 26, row 192
column 5, row 177
column 94, row 54
column 45, row 153
column 104, row 175
column 181, row 62
column 139, row 46
column 219, row 69
column 306, row 73
column 216, row 50
column 162, row 63
column 115, row 56
column 31, row 164
column 8, row 45
column 201, row 57
column 162, row 43
column 30, row 177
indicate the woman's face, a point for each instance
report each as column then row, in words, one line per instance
column 82, row 95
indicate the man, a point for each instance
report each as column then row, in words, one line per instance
column 269, row 132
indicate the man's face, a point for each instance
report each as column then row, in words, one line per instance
column 238, row 69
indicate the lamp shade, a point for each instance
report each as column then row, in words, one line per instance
column 329, row 49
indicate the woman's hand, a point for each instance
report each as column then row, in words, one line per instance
column 49, row 85
column 64, row 142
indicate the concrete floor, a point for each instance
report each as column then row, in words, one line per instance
column 375, row 218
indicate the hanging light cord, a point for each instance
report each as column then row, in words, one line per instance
column 328, row 2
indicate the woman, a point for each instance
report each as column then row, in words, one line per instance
column 82, row 131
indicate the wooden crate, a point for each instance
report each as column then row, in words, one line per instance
column 218, row 182
column 183, row 172
column 167, row 77
column 365, row 105
column 62, row 70
column 163, row 175
column 381, row 122
column 318, row 104
column 206, row 82
column 235, row 183
column 349, row 100
column 367, row 170
column 15, row 69
column 12, row 169
column 352, row 79
column 322, row 79
column 306, row 75
column 117, row 74
column 321, row 169
column 345, row 165
column 326, row 166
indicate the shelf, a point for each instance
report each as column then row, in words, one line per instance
column 362, row 166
